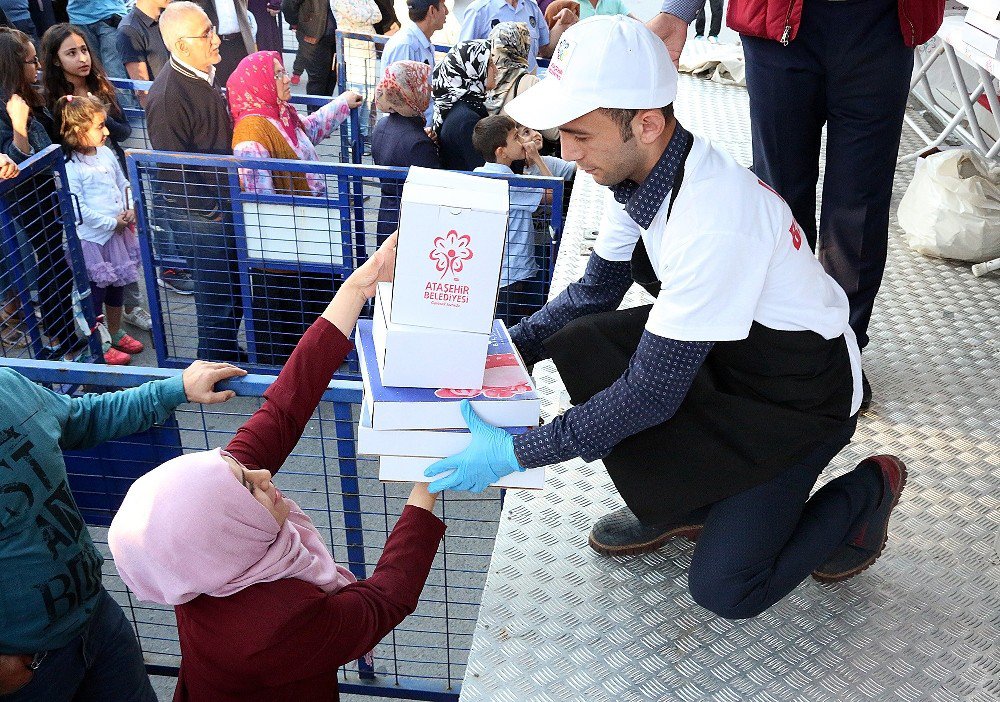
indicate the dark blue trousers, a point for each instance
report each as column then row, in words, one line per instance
column 758, row 545
column 848, row 68
column 102, row 664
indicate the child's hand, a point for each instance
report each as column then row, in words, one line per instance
column 130, row 216
column 433, row 135
column 122, row 221
column 530, row 151
column 18, row 111
column 353, row 99
column 8, row 169
column 200, row 378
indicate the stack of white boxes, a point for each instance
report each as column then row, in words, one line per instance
column 981, row 31
column 433, row 341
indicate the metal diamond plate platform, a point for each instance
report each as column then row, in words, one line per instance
column 560, row 623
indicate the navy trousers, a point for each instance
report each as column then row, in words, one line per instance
column 847, row 68
column 758, row 545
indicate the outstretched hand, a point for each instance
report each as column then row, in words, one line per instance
column 377, row 269
column 488, row 458
column 672, row 30
column 200, row 378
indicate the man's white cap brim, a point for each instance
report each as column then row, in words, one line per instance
column 547, row 105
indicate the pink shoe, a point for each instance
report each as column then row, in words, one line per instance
column 296, row 79
column 114, row 357
column 127, row 344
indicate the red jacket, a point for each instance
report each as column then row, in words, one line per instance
column 779, row 19
column 283, row 641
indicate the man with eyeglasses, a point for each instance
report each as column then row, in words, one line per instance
column 186, row 112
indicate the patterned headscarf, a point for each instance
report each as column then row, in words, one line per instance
column 252, row 91
column 461, row 75
column 510, row 44
column 404, row 88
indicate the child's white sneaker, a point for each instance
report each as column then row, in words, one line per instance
column 138, row 318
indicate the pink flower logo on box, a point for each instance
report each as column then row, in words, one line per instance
column 503, row 379
column 450, row 252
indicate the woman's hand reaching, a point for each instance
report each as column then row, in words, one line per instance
column 343, row 311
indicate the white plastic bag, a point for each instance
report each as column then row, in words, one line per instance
column 951, row 208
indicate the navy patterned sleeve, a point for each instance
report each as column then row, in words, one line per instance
column 601, row 289
column 684, row 9
column 648, row 393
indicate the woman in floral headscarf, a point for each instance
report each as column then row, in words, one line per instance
column 399, row 138
column 460, row 84
column 267, row 126
column 510, row 43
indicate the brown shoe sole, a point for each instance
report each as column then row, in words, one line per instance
column 828, row 578
column 689, row 532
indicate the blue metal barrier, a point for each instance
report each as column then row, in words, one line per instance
column 286, row 247
column 423, row 658
column 43, row 269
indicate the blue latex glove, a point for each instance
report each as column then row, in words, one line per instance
column 488, row 458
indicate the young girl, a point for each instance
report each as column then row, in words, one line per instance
column 107, row 235
column 70, row 68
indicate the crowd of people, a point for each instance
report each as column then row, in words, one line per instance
column 715, row 409
column 195, row 55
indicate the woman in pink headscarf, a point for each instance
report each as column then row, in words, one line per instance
column 267, row 126
column 399, row 138
column 263, row 611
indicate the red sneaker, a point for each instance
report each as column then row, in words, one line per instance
column 114, row 357
column 296, row 79
column 127, row 344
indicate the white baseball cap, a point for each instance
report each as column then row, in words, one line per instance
column 603, row 61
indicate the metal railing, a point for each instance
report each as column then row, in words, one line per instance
column 423, row 658
column 266, row 264
column 44, row 288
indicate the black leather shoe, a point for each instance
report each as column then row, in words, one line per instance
column 622, row 534
column 867, row 545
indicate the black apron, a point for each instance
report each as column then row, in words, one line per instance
column 756, row 407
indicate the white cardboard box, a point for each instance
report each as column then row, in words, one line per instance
column 410, row 469
column 981, row 41
column 422, row 357
column 422, row 443
column 507, row 398
column 452, row 229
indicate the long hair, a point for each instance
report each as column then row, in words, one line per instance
column 14, row 46
column 74, row 115
column 54, row 78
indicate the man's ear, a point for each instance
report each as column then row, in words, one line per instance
column 649, row 125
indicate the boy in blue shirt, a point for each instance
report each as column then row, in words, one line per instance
column 521, row 288
column 62, row 636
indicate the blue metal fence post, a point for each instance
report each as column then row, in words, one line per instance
column 146, row 252
column 351, row 496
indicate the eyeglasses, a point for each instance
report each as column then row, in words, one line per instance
column 207, row 34
column 281, row 75
column 34, row 61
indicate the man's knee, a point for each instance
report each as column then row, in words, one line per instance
column 722, row 599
